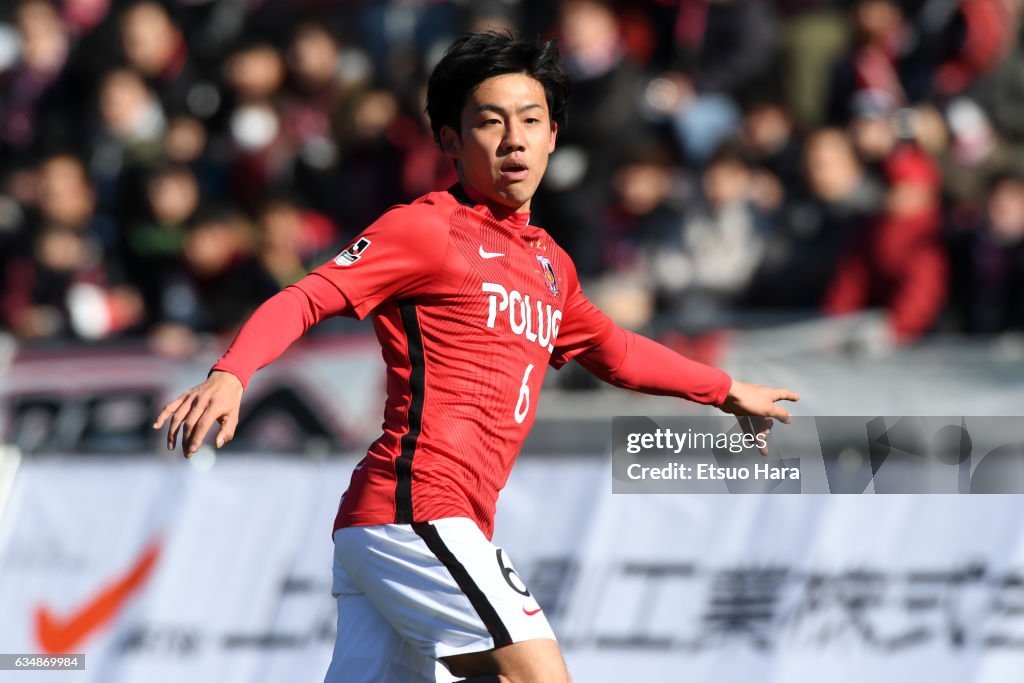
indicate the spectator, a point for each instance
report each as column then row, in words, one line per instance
column 185, row 140
column 154, row 242
column 606, row 119
column 1007, row 92
column 314, row 61
column 154, row 46
column 968, row 150
column 292, row 241
column 63, row 242
column 771, row 145
column 131, row 123
column 872, row 69
column 814, row 36
column 62, row 290
column 398, row 35
column 261, row 157
column 217, row 285
column 66, row 199
column 973, row 40
column 650, row 199
column 126, row 138
column 725, row 53
column 726, row 46
column 255, row 73
column 703, row 267
column 872, row 128
column 35, row 100
column 227, row 101
column 837, row 201
column 261, row 152
column 314, row 102
column 993, row 285
column 650, row 196
column 899, row 262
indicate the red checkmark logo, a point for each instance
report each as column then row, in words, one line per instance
column 58, row 635
column 529, row 613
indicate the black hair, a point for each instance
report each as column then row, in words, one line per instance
column 727, row 153
column 1005, row 175
column 215, row 213
column 475, row 57
column 168, row 169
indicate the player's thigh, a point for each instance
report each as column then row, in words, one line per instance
column 442, row 585
column 531, row 661
column 369, row 650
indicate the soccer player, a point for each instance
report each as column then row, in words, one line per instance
column 470, row 302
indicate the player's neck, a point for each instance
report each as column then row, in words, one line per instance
column 498, row 211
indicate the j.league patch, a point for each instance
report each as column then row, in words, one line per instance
column 353, row 253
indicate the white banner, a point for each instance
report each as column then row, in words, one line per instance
column 161, row 570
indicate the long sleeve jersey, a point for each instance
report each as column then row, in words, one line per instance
column 470, row 308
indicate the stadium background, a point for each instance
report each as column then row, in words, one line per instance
column 821, row 195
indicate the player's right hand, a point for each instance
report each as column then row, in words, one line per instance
column 216, row 400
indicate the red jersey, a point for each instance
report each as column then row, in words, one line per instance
column 469, row 310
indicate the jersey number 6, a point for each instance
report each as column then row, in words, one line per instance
column 508, row 572
column 523, row 405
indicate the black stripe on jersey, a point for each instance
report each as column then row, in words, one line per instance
column 403, row 464
column 483, row 607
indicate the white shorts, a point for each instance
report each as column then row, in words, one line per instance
column 409, row 594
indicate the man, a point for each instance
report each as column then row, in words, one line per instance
column 470, row 302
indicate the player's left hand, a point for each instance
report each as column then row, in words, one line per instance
column 756, row 406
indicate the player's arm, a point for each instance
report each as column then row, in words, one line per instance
column 270, row 330
column 628, row 360
column 397, row 256
column 631, row 361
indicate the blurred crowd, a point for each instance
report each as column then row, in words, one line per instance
column 166, row 165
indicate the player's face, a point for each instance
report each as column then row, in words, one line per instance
column 506, row 138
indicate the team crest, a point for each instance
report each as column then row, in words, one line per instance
column 548, row 271
column 353, row 253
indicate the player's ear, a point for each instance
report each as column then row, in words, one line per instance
column 554, row 134
column 451, row 143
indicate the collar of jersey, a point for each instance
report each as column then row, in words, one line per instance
column 513, row 219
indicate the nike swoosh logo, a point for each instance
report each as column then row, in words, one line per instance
column 488, row 254
column 529, row 613
column 58, row 635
